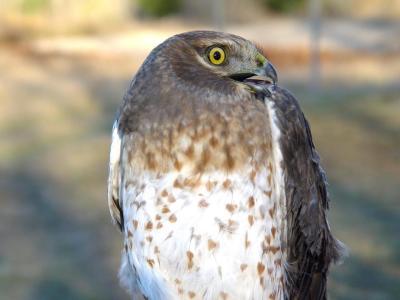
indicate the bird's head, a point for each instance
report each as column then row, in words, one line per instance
column 216, row 60
column 192, row 73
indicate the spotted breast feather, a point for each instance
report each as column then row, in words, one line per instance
column 205, row 206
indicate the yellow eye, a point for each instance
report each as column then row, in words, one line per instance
column 216, row 56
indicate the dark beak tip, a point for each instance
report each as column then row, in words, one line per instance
column 271, row 73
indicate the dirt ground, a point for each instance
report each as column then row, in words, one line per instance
column 56, row 113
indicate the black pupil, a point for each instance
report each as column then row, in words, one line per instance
column 217, row 55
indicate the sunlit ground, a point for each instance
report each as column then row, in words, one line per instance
column 56, row 113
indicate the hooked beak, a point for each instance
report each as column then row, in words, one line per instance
column 267, row 72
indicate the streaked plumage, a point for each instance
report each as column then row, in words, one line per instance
column 214, row 179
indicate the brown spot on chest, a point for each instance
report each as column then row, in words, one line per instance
column 278, row 262
column 211, row 244
column 243, row 267
column 165, row 209
column 271, row 211
column 260, row 268
column 178, row 184
column 190, row 255
column 151, row 160
column 227, row 184
column 273, row 231
column 251, row 220
column 232, row 226
column 229, row 162
column 268, row 193
column 272, row 249
column 203, row 203
column 213, row 142
column 191, row 294
column 251, row 202
column 150, row 262
column 246, row 241
column 177, row 165
column 191, row 182
column 231, row 207
column 149, row 225
column 164, row 193
column 189, row 152
column 172, row 218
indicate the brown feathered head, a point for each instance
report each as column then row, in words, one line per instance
column 194, row 68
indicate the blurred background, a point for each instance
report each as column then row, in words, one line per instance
column 64, row 67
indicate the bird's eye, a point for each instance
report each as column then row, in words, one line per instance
column 216, row 55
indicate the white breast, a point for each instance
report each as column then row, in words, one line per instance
column 205, row 238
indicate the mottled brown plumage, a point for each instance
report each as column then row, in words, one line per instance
column 214, row 179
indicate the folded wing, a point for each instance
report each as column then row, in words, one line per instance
column 311, row 248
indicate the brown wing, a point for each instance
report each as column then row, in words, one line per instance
column 311, row 246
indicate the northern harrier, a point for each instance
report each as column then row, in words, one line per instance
column 214, row 179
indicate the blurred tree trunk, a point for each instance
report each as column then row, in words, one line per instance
column 315, row 34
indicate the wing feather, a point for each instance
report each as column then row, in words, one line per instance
column 114, row 179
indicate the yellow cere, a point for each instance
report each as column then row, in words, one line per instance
column 261, row 60
column 216, row 55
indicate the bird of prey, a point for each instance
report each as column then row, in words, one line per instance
column 214, row 179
